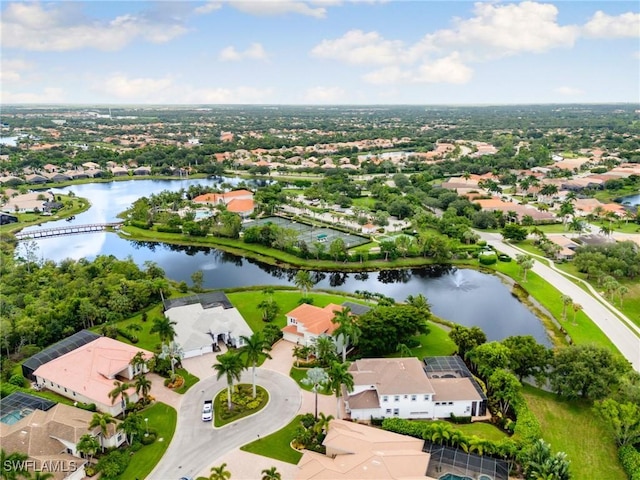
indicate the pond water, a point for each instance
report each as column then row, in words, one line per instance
column 464, row 296
column 630, row 200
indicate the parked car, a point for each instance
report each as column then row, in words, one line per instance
column 207, row 411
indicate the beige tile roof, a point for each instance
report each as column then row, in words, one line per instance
column 452, row 389
column 357, row 451
column 392, row 375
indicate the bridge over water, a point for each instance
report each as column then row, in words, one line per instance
column 67, row 230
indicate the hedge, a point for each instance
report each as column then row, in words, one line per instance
column 527, row 425
column 630, row 460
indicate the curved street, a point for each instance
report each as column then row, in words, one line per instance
column 196, row 444
column 622, row 336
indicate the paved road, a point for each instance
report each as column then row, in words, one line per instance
column 195, row 443
column 620, row 334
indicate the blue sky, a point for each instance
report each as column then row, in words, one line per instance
column 319, row 52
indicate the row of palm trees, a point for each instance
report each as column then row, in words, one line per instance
column 221, row 473
column 232, row 364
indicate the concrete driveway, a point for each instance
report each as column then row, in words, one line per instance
column 197, row 444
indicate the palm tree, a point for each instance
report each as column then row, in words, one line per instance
column 173, row 351
column 526, row 264
column 622, row 291
column 254, row 349
column 441, row 433
column 303, row 281
column 606, row 230
column 325, row 349
column 120, row 390
column 13, row 465
column 271, row 474
column 102, row 420
column 138, row 362
column 566, row 301
column 164, row 328
column 576, row 308
column 316, row 378
column 348, row 327
column 131, row 426
column 339, row 375
column 88, row 445
column 143, row 386
column 220, row 473
column 419, row 301
column 229, row 365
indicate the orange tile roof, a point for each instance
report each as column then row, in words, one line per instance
column 237, row 193
column 207, row 197
column 315, row 319
column 240, row 205
column 86, row 369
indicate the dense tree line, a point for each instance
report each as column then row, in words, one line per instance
column 43, row 301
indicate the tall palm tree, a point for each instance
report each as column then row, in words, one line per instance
column 303, row 281
column 254, row 349
column 88, row 445
column 566, row 301
column 325, row 349
column 526, row 264
column 576, row 308
column 164, row 328
column 348, row 327
column 102, row 420
column 120, row 390
column 138, row 362
column 231, row 366
column 131, row 426
column 143, row 386
column 316, row 378
column 339, row 375
column 271, row 474
column 220, row 473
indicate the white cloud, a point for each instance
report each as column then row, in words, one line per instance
column 255, row 52
column 208, row 7
column 447, row 69
column 602, row 25
column 359, row 48
column 48, row 95
column 569, row 91
column 281, row 7
column 62, row 27
column 324, row 95
column 499, row 30
column 11, row 69
column 119, row 87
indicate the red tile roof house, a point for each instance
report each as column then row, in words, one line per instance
column 306, row 323
column 87, row 374
column 236, row 201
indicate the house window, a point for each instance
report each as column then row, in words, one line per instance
column 119, row 437
column 414, row 398
column 396, row 411
column 74, row 394
column 450, row 403
column 426, row 397
column 406, row 396
column 396, row 398
column 388, row 410
column 65, row 390
column 437, row 403
column 385, row 398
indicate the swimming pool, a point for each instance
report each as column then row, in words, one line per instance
column 453, row 476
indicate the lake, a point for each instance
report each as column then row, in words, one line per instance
column 464, row 296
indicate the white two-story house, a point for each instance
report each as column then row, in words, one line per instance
column 400, row 387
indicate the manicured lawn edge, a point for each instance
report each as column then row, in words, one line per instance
column 221, row 398
column 278, row 444
column 163, row 419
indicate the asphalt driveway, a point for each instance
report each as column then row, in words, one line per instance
column 196, row 443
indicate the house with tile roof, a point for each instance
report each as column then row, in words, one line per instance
column 50, row 438
column 306, row 323
column 236, row 201
column 355, row 451
column 400, row 387
column 87, row 373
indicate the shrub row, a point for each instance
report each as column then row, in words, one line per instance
column 128, row 335
column 460, row 420
column 527, row 427
column 630, row 460
column 168, row 229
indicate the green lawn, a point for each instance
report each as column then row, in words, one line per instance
column 189, row 381
column 220, row 404
column 583, row 331
column 367, row 202
column 247, row 304
column 278, row 444
column 573, row 428
column 298, row 374
column 435, row 343
column 162, row 418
